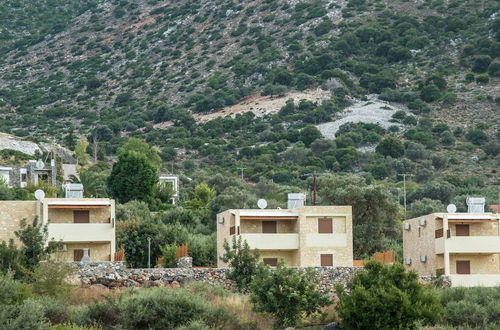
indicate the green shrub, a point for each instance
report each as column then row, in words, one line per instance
column 386, row 297
column 49, row 278
column 55, row 310
column 169, row 255
column 286, row 293
column 11, row 291
column 165, row 308
column 242, row 262
column 100, row 313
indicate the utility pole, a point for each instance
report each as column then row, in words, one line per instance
column 404, row 175
column 242, row 169
column 149, row 252
column 314, row 187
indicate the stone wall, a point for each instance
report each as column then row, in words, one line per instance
column 11, row 214
column 114, row 274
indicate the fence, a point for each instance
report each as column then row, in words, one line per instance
column 120, row 255
column 182, row 251
column 387, row 257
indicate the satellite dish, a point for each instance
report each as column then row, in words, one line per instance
column 451, row 208
column 262, row 203
column 39, row 165
column 39, row 194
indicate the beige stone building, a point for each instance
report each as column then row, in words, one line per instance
column 86, row 226
column 305, row 236
column 464, row 246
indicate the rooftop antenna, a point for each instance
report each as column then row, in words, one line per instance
column 451, row 208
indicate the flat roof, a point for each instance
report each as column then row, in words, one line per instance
column 468, row 216
column 266, row 213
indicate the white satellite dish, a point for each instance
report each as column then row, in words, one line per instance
column 39, row 194
column 452, row 208
column 39, row 165
column 262, row 203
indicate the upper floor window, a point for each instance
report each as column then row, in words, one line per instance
column 269, row 227
column 462, row 230
column 325, row 226
column 81, row 216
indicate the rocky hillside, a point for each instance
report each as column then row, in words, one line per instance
column 170, row 71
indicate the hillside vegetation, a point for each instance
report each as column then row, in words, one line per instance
column 112, row 69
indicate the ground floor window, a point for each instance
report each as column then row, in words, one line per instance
column 271, row 261
column 326, row 260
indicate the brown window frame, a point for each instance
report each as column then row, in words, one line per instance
column 326, row 260
column 79, row 220
column 462, row 230
column 460, row 270
column 439, row 233
column 232, row 230
column 273, row 262
column 325, row 226
column 270, row 227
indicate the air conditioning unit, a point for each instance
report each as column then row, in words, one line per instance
column 407, row 261
column 421, row 222
column 407, row 226
column 220, row 220
column 423, row 258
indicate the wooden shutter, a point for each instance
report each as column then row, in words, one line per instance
column 462, row 230
column 270, row 261
column 326, row 260
column 325, row 226
column 81, row 216
column 463, row 267
column 269, row 227
column 232, row 230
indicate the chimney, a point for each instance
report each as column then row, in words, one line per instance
column 475, row 204
column 296, row 200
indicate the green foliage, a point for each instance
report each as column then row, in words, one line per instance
column 133, row 177
column 424, row 206
column 49, row 278
column 141, row 147
column 477, row 136
column 169, row 253
column 286, row 293
column 11, row 259
column 81, row 152
column 133, row 210
column 386, row 297
column 472, row 307
column 242, row 262
column 391, row 146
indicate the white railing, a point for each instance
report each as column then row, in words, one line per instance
column 81, row 232
column 473, row 244
column 272, row 241
column 469, row 280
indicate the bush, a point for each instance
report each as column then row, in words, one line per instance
column 287, row 293
column 391, row 146
column 242, row 262
column 477, row 136
column 169, row 256
column 49, row 278
column 165, row 308
column 386, row 297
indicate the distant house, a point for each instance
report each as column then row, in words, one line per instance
column 86, row 226
column 464, row 246
column 300, row 235
column 173, row 182
column 34, row 171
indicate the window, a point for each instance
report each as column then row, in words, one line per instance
column 462, row 230
column 326, row 260
column 325, row 226
column 232, row 230
column 81, row 217
column 78, row 254
column 269, row 227
column 270, row 261
column 463, row 266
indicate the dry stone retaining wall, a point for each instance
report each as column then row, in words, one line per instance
column 115, row 275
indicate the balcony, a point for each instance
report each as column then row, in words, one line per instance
column 326, row 240
column 272, row 241
column 468, row 244
column 471, row 280
column 81, row 232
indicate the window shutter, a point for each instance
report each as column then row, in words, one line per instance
column 325, row 226
column 81, row 216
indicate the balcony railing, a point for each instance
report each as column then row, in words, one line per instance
column 81, row 232
column 272, row 241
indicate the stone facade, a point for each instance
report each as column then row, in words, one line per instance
column 296, row 240
column 66, row 215
column 114, row 275
column 11, row 214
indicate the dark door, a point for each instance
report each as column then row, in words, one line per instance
column 463, row 267
column 81, row 217
column 326, row 260
column 270, row 261
column 462, row 230
column 269, row 227
column 77, row 255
